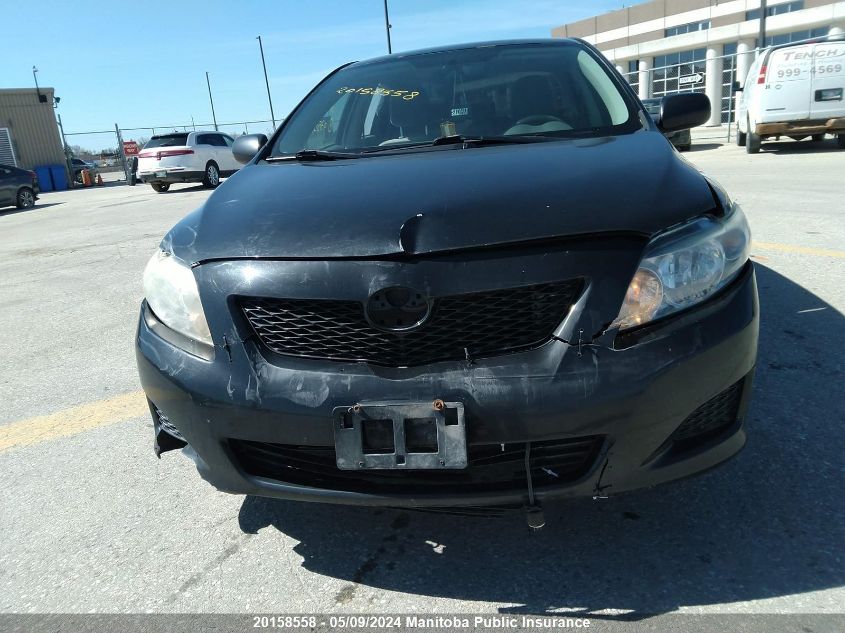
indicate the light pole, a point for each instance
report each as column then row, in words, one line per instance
column 387, row 28
column 213, row 116
column 35, row 77
column 761, row 39
column 266, row 81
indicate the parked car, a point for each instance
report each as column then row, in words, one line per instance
column 204, row 156
column 79, row 165
column 794, row 90
column 474, row 275
column 682, row 139
column 18, row 187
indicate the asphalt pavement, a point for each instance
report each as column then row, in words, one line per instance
column 92, row 521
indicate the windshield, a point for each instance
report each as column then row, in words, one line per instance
column 167, row 140
column 545, row 90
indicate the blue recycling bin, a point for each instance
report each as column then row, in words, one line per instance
column 45, row 180
column 59, row 174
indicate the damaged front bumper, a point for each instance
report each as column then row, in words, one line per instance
column 600, row 414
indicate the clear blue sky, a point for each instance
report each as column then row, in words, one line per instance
column 143, row 63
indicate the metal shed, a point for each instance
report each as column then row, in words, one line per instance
column 29, row 134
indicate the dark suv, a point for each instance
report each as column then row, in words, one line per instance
column 18, row 187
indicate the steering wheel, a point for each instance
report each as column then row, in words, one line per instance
column 539, row 119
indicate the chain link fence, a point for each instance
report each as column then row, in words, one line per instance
column 101, row 151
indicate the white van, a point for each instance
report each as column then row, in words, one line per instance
column 793, row 90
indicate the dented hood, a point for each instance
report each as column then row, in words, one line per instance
column 448, row 199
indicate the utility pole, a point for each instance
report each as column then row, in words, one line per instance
column 213, row 116
column 266, row 81
column 387, row 28
column 68, row 162
column 761, row 38
column 123, row 162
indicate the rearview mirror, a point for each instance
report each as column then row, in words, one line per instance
column 683, row 111
column 246, row 147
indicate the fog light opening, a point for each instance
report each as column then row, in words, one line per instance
column 167, row 436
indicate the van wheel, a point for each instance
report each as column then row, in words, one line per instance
column 212, row 176
column 160, row 187
column 818, row 137
column 840, row 141
column 740, row 138
column 752, row 141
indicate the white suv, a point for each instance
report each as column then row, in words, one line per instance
column 203, row 156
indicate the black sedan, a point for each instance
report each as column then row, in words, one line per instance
column 18, row 187
column 466, row 276
column 682, row 139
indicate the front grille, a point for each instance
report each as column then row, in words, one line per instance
column 490, row 467
column 710, row 419
column 471, row 325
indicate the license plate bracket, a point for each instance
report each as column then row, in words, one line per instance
column 400, row 436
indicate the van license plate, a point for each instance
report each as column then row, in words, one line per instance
column 161, row 174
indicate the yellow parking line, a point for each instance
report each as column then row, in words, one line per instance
column 806, row 250
column 72, row 421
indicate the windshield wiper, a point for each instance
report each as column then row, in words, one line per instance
column 466, row 141
column 478, row 141
column 306, row 155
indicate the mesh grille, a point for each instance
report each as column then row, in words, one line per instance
column 710, row 418
column 491, row 467
column 475, row 325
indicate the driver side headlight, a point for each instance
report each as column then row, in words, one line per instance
column 685, row 266
column 171, row 292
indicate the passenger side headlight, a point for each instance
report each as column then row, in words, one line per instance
column 684, row 266
column 172, row 294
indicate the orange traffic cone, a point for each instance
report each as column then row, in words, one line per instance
column 99, row 180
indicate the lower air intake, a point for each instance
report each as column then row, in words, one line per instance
column 491, row 467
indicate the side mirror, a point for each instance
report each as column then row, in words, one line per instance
column 683, row 111
column 736, row 87
column 246, row 147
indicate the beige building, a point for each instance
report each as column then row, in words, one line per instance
column 29, row 134
column 666, row 46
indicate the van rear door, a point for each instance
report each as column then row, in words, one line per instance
column 786, row 96
column 828, row 81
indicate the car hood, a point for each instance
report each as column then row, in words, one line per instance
column 449, row 199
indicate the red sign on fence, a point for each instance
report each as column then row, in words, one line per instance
column 130, row 148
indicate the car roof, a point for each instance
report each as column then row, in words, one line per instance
column 177, row 133
column 557, row 41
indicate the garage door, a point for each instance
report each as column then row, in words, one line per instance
column 7, row 153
